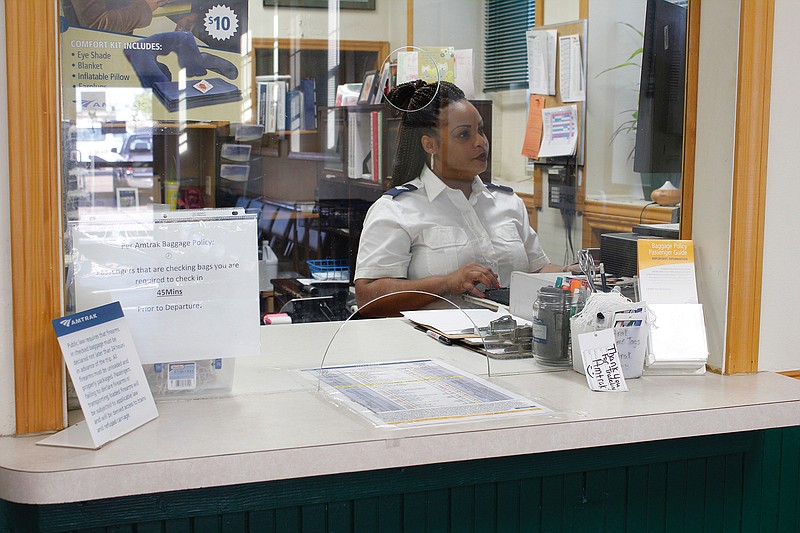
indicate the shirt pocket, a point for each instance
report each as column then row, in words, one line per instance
column 511, row 247
column 443, row 245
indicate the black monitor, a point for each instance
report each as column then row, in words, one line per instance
column 659, row 133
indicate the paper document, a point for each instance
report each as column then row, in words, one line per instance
column 533, row 128
column 542, row 61
column 560, row 133
column 464, row 78
column 570, row 72
column 407, row 67
column 458, row 322
column 420, row 391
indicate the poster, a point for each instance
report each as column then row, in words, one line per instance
column 154, row 60
column 187, row 283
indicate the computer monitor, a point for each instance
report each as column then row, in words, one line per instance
column 659, row 133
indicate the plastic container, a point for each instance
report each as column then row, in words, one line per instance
column 329, row 269
column 267, row 268
column 551, row 332
column 206, row 378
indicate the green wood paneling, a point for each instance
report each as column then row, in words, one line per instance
column 738, row 482
column 789, row 495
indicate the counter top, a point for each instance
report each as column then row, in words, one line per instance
column 275, row 424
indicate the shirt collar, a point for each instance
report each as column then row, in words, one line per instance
column 431, row 182
column 434, row 186
column 479, row 188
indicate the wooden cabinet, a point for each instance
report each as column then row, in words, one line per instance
column 619, row 217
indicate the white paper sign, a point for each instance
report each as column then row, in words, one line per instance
column 108, row 377
column 188, row 286
column 601, row 361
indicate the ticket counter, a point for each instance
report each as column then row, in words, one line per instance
column 277, row 454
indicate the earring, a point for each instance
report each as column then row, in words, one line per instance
column 432, row 157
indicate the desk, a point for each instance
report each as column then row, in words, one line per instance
column 278, row 454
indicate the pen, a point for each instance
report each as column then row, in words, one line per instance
column 439, row 337
column 603, row 278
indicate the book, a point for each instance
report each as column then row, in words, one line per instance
column 376, row 137
column 359, row 148
column 294, row 108
column 308, row 88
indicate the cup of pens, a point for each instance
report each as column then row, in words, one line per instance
column 552, row 310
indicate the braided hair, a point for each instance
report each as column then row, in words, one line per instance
column 423, row 104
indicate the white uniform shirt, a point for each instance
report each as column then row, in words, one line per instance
column 435, row 230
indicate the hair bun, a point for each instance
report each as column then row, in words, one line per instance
column 400, row 96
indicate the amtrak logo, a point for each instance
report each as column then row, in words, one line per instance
column 69, row 322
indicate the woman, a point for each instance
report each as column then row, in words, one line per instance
column 442, row 230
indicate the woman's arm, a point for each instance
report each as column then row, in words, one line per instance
column 465, row 279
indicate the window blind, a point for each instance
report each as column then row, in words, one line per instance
column 506, row 61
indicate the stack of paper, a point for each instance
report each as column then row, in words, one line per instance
column 667, row 283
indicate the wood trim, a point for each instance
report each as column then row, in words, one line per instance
column 381, row 47
column 409, row 23
column 607, row 217
column 791, row 373
column 538, row 16
column 531, row 207
column 36, row 255
column 749, row 186
column 690, row 119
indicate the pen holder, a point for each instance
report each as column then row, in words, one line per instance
column 551, row 325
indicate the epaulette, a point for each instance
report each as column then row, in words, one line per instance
column 400, row 189
column 497, row 187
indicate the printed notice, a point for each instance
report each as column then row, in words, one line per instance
column 421, row 391
column 107, row 374
column 666, row 271
column 188, row 285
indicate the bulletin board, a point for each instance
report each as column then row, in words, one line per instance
column 579, row 28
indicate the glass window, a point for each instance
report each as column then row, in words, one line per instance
column 277, row 108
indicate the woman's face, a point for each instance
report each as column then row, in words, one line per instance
column 461, row 150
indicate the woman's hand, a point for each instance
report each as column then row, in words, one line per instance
column 467, row 279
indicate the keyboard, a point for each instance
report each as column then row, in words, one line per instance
column 501, row 295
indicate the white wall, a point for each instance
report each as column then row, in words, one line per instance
column 716, row 111
column 780, row 336
column 385, row 23
column 7, row 411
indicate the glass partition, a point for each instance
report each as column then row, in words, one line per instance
column 269, row 108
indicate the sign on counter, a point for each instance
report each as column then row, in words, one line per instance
column 108, row 377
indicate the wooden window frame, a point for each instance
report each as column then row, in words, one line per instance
column 35, row 200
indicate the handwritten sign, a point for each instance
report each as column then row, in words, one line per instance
column 188, row 282
column 108, row 376
column 601, row 361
